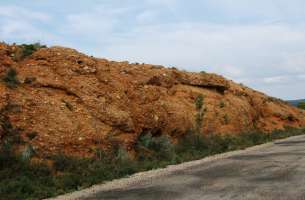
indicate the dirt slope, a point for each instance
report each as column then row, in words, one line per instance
column 74, row 103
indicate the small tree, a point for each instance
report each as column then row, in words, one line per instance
column 301, row 105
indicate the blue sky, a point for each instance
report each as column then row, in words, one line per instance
column 260, row 43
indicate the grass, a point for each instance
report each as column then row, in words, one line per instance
column 22, row 179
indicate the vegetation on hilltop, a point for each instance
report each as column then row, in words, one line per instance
column 301, row 105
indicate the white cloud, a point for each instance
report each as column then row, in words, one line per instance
column 167, row 3
column 98, row 24
column 265, row 10
column 217, row 46
column 301, row 76
column 17, row 23
column 89, row 24
column 18, row 13
column 147, row 16
column 260, row 43
column 276, row 79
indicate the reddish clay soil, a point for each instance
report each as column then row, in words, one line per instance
column 75, row 103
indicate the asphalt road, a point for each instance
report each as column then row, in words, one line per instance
column 274, row 172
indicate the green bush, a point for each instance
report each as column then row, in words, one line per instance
column 21, row 180
column 191, row 145
column 29, row 49
column 199, row 101
column 29, row 80
column 64, row 163
column 10, row 78
column 28, row 153
column 32, row 135
column 301, row 105
column 226, row 119
column 155, row 148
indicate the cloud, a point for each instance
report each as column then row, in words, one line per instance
column 168, row 3
column 18, row 13
column 259, row 10
column 147, row 16
column 259, row 43
column 258, row 49
column 301, row 76
column 19, row 24
column 276, row 79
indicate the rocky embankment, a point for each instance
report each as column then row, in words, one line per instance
column 68, row 102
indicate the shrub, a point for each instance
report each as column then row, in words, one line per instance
column 69, row 181
column 66, row 163
column 68, row 105
column 29, row 49
column 11, row 134
column 200, row 112
column 32, row 135
column 6, row 155
column 10, row 78
column 122, row 155
column 199, row 102
column 192, row 143
column 29, row 80
column 21, row 180
column 222, row 104
column 199, row 119
column 301, row 105
column 27, row 153
column 158, row 148
column 226, row 119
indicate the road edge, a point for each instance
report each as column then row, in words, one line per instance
column 153, row 174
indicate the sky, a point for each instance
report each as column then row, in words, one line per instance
column 260, row 43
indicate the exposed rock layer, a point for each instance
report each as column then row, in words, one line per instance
column 75, row 103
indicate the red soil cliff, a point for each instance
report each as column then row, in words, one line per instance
column 74, row 102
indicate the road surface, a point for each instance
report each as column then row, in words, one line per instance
column 271, row 172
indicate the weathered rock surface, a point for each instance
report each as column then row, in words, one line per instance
column 75, row 102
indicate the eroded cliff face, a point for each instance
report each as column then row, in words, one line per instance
column 74, row 103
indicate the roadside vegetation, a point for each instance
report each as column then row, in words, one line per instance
column 21, row 178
